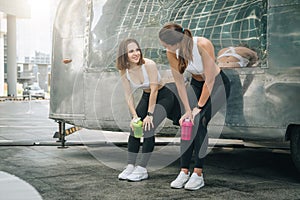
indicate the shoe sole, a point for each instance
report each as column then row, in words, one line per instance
column 177, row 187
column 129, row 180
column 197, row 188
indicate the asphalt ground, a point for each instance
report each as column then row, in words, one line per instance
column 89, row 166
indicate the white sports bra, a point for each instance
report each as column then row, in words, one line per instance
column 195, row 66
column 145, row 84
column 243, row 62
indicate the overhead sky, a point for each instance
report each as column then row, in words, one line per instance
column 34, row 34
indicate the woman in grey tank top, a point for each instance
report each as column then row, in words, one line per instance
column 141, row 73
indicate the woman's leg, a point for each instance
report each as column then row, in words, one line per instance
column 163, row 105
column 218, row 97
column 166, row 103
column 133, row 148
column 187, row 147
column 175, row 108
column 133, row 142
column 201, row 141
column 200, row 134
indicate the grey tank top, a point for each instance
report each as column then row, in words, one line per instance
column 145, row 84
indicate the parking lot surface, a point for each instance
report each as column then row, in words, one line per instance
column 89, row 167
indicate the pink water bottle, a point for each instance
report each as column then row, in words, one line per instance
column 186, row 129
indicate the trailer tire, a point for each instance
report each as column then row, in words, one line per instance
column 295, row 146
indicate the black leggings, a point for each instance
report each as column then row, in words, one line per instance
column 165, row 104
column 199, row 143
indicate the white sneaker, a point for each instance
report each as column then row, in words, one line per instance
column 196, row 182
column 139, row 173
column 126, row 172
column 181, row 179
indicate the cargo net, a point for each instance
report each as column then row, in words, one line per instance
column 225, row 22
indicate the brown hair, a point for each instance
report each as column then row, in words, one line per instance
column 172, row 34
column 122, row 56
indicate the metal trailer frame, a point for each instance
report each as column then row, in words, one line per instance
column 86, row 91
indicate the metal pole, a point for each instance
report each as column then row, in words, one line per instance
column 1, row 62
column 62, row 134
column 11, row 56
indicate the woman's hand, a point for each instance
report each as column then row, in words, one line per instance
column 187, row 115
column 148, row 123
column 134, row 120
column 195, row 112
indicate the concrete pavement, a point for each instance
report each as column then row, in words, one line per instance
column 12, row 187
column 89, row 167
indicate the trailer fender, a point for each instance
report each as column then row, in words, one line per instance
column 293, row 134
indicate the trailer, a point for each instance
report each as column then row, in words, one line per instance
column 86, row 90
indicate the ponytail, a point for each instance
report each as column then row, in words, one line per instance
column 173, row 34
column 185, row 50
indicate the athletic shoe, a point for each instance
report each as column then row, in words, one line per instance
column 196, row 182
column 139, row 173
column 126, row 172
column 181, row 179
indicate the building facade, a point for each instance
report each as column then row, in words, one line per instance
column 10, row 11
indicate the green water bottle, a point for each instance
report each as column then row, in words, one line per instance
column 137, row 128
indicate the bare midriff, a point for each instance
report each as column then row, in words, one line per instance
column 149, row 90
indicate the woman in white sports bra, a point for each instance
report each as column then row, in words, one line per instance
column 211, row 87
column 141, row 73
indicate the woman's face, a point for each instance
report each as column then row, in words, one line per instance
column 133, row 53
column 171, row 48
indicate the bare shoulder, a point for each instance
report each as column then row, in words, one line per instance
column 149, row 62
column 205, row 44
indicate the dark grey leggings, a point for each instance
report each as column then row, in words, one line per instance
column 165, row 103
column 199, row 143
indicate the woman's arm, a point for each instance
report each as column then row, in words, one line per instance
column 211, row 70
column 128, row 94
column 153, row 78
column 179, row 81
